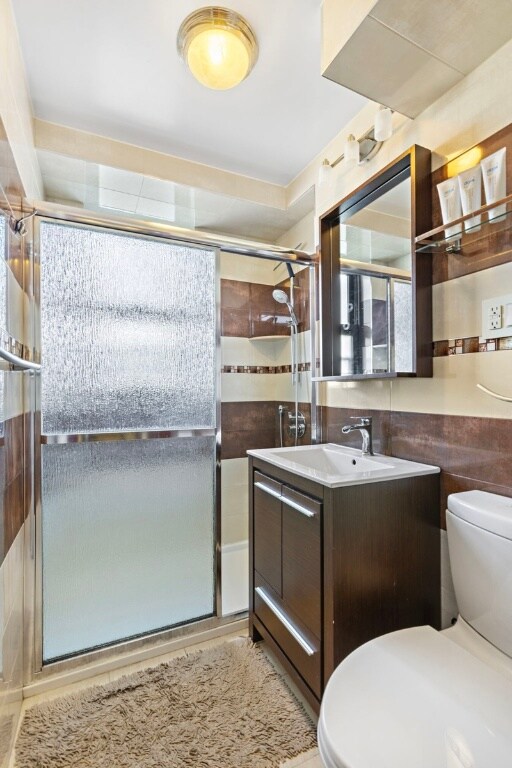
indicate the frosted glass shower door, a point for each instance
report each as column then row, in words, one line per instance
column 128, row 407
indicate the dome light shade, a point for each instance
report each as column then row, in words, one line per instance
column 218, row 46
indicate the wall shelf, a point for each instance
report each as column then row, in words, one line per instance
column 435, row 241
column 270, row 337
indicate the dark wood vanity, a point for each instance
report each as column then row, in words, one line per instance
column 331, row 568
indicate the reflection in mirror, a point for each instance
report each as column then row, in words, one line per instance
column 375, row 290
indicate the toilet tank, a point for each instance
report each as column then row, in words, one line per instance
column 479, row 528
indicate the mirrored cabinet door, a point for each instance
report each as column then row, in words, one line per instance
column 376, row 306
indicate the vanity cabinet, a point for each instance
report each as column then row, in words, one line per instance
column 331, row 568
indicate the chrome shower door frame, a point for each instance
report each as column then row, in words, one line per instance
column 34, row 669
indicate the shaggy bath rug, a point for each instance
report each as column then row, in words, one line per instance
column 225, row 707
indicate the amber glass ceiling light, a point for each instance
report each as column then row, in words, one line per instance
column 218, row 46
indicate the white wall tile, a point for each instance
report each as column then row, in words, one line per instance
column 453, row 389
column 355, row 394
column 13, row 394
column 15, row 107
column 457, row 310
column 284, row 389
column 301, row 233
column 237, row 350
column 234, row 472
column 248, row 269
column 156, row 189
column 244, row 387
column 235, row 500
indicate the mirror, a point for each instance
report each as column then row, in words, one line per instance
column 369, row 283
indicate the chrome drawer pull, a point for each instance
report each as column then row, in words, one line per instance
column 289, row 502
column 286, row 622
column 268, row 490
column 298, row 507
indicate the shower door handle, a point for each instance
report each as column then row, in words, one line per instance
column 19, row 362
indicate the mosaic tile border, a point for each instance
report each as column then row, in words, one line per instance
column 303, row 367
column 472, row 344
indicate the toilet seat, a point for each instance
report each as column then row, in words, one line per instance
column 416, row 699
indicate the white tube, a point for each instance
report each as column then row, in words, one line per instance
column 495, row 184
column 449, row 197
column 470, row 185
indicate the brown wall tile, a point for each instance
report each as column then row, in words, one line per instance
column 13, row 436
column 235, row 322
column 289, row 440
column 247, row 417
column 268, row 317
column 333, row 419
column 235, row 294
column 236, row 444
column 300, row 298
column 472, row 452
column 256, row 425
column 246, row 425
column 12, row 480
column 249, row 309
column 14, row 510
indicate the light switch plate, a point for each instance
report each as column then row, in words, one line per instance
column 497, row 317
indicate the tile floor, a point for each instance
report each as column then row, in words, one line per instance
column 310, row 760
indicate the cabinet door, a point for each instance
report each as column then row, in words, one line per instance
column 302, row 570
column 267, row 530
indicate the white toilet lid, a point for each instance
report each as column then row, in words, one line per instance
column 415, row 699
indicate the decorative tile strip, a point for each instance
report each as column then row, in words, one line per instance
column 303, row 367
column 472, row 344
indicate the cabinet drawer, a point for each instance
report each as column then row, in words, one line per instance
column 301, row 647
column 267, row 529
column 302, row 557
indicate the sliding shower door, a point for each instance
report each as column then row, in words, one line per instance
column 128, row 433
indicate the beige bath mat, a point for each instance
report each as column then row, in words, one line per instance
column 225, row 707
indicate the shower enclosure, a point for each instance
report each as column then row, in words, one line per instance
column 129, row 424
column 126, row 427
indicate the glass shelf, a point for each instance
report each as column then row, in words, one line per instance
column 468, row 233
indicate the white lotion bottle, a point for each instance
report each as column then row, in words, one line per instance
column 470, row 185
column 449, row 197
column 495, row 181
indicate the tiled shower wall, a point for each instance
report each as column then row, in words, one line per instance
column 446, row 420
column 14, row 495
column 255, row 359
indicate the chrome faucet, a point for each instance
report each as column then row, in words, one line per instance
column 364, row 425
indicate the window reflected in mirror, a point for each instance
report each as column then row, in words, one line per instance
column 375, row 285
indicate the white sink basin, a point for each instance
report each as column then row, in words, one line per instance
column 336, row 465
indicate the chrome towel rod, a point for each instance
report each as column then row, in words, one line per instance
column 225, row 243
column 19, row 362
column 494, row 394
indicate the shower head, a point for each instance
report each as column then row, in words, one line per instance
column 282, row 298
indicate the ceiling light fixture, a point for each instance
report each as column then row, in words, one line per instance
column 364, row 148
column 218, row 46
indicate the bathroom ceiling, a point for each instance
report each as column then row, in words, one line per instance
column 112, row 68
column 113, row 191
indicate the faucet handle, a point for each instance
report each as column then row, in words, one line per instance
column 365, row 420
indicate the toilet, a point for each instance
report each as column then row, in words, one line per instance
column 418, row 698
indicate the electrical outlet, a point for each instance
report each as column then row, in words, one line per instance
column 495, row 317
